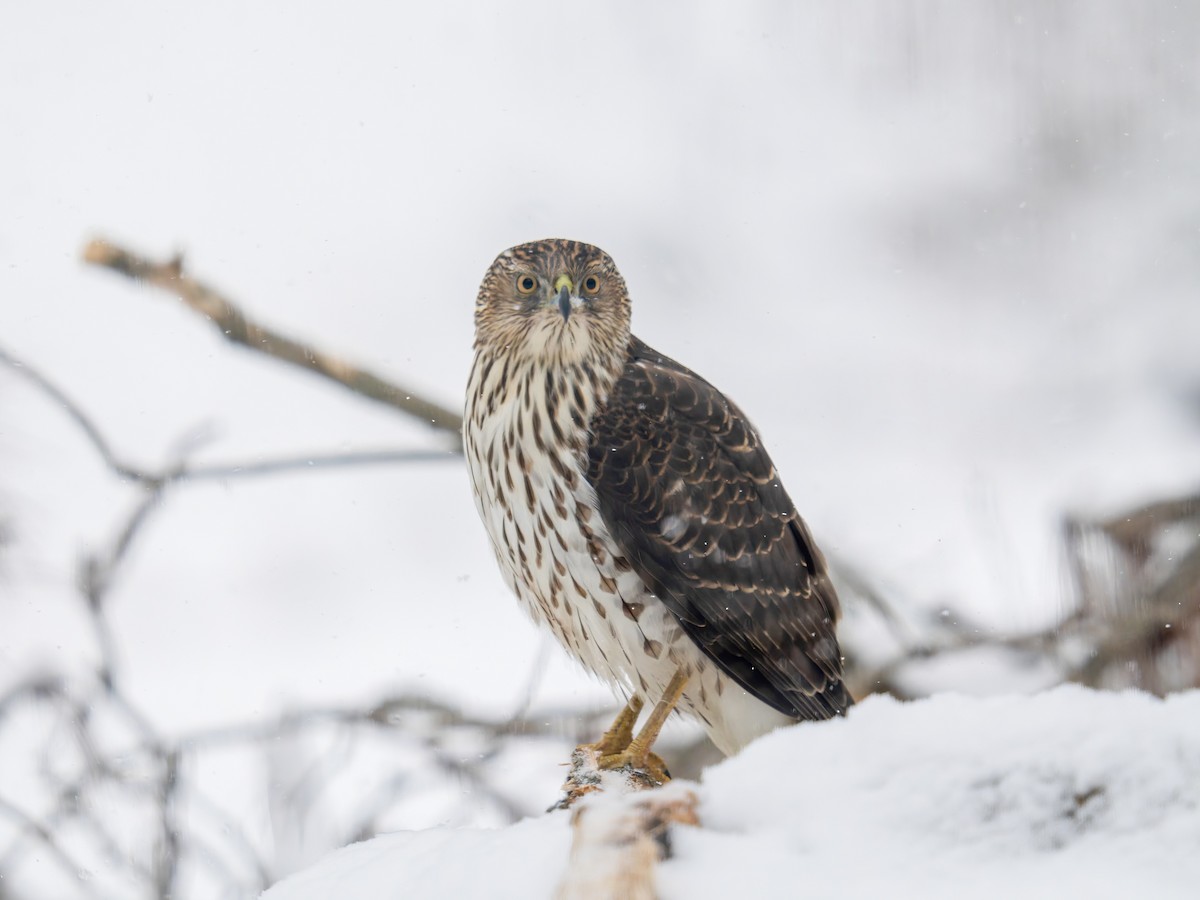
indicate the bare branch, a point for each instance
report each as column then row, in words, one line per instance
column 1134, row 530
column 237, row 328
column 35, row 687
column 77, row 415
column 234, row 832
column 181, row 471
column 166, row 856
column 312, row 461
column 48, row 838
column 1137, row 574
column 1041, row 644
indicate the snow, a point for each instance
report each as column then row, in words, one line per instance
column 524, row 860
column 1069, row 793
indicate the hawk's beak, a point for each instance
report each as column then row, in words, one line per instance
column 563, row 286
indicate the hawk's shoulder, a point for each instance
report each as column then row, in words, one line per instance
column 692, row 498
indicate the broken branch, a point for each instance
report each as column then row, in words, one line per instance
column 236, row 327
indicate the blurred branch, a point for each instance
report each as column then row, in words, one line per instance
column 947, row 638
column 236, row 327
column 74, row 412
column 312, row 461
column 1137, row 578
column 1135, row 620
column 157, row 773
column 47, row 838
column 181, row 471
column 1135, row 530
column 152, row 776
column 167, row 853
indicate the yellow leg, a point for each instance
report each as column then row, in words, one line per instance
column 637, row 752
column 620, row 733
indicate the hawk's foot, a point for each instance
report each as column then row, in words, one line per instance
column 642, row 765
column 636, row 756
column 624, row 772
column 616, row 752
column 620, row 733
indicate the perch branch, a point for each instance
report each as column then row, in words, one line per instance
column 237, row 328
column 617, row 842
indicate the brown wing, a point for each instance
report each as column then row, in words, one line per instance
column 694, row 502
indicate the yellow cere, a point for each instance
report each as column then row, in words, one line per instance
column 563, row 281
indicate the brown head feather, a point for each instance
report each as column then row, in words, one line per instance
column 530, row 327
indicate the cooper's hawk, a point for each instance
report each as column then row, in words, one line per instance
column 634, row 511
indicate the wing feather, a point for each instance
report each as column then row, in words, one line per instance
column 693, row 500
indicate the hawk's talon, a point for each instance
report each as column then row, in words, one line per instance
column 648, row 764
column 620, row 734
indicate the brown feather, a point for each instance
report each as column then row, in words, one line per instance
column 715, row 534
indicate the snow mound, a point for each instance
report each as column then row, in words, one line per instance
column 1071, row 793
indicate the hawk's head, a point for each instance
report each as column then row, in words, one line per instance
column 553, row 301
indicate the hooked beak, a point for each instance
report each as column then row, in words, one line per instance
column 564, row 287
column 564, row 303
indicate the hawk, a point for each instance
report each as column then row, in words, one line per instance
column 634, row 511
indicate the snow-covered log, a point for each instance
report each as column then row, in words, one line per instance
column 620, row 836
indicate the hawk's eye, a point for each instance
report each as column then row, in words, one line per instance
column 591, row 284
column 526, row 284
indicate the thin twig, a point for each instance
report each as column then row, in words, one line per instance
column 166, row 857
column 480, row 786
column 74, row 869
column 312, row 461
column 181, row 471
column 547, row 723
column 233, row 830
column 98, row 571
column 35, row 687
column 237, row 328
column 76, row 414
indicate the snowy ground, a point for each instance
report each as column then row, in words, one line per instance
column 943, row 254
column 1066, row 794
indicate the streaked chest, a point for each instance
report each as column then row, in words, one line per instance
column 526, row 437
